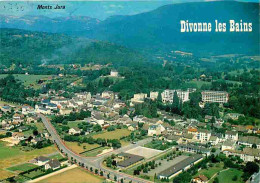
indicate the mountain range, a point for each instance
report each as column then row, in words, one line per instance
column 159, row 30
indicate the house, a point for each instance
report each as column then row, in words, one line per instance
column 139, row 98
column 43, row 110
column 18, row 136
column 65, row 111
column 107, row 94
column 6, row 108
column 173, row 138
column 200, row 179
column 18, row 117
column 232, row 135
column 179, row 167
column 26, row 109
column 228, row 145
column 41, row 160
column 84, row 95
column 214, row 140
column 234, row 116
column 155, row 130
column 36, row 140
column 52, row 164
column 51, row 106
column 113, row 73
column 74, row 131
column 154, row 95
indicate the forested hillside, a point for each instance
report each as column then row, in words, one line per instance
column 25, row 48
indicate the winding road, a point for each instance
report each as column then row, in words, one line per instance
column 94, row 162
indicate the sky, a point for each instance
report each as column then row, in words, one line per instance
column 93, row 8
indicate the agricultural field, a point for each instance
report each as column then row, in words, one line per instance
column 227, row 176
column 75, row 175
column 117, row 134
column 27, row 79
column 10, row 156
column 22, row 167
column 79, row 148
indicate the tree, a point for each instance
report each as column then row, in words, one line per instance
column 251, row 167
column 35, row 132
column 97, row 128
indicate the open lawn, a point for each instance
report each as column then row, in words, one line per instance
column 10, row 156
column 199, row 83
column 72, row 124
column 75, row 175
column 27, row 79
column 211, row 170
column 40, row 127
column 34, row 174
column 22, row 167
column 95, row 152
column 228, row 175
column 79, row 149
column 56, row 156
column 117, row 134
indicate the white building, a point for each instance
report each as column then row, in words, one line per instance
column 26, row 109
column 113, row 73
column 154, row 95
column 139, row 97
column 155, row 130
column 231, row 135
column 74, row 131
column 42, row 110
column 214, row 96
column 203, row 135
column 167, row 95
column 84, row 95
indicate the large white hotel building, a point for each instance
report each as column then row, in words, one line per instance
column 215, row 96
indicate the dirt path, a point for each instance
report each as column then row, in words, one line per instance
column 52, row 174
column 217, row 173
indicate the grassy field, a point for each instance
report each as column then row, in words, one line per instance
column 79, row 149
column 95, row 152
column 117, row 134
column 211, row 170
column 22, row 167
column 10, row 156
column 33, row 174
column 75, row 175
column 40, row 127
column 56, row 156
column 27, row 79
column 227, row 176
column 72, row 124
column 199, row 83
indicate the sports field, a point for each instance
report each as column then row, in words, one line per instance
column 75, row 175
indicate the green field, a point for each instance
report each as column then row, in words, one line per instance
column 227, row 176
column 56, row 156
column 27, row 79
column 198, row 84
column 72, row 124
column 34, row 174
column 22, row 167
column 117, row 134
column 211, row 170
column 95, row 152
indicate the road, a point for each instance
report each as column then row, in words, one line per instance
column 94, row 162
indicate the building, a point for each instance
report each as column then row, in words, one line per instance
column 74, row 131
column 249, row 141
column 155, row 130
column 41, row 160
column 84, row 95
column 52, row 164
column 179, row 167
column 154, row 95
column 193, row 149
column 113, row 73
column 215, row 96
column 107, row 94
column 167, row 95
column 139, row 97
column 229, row 144
column 248, row 154
column 231, row 135
column 203, row 135
column 200, row 179
column 26, row 109
column 128, row 159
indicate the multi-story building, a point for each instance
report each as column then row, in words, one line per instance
column 232, row 135
column 139, row 97
column 167, row 95
column 203, row 135
column 215, row 96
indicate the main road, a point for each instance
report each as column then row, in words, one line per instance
column 94, row 162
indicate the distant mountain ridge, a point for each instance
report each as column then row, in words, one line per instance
column 46, row 24
column 159, row 30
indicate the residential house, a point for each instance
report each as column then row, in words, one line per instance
column 155, row 130
column 41, row 160
column 52, row 164
column 248, row 154
column 232, row 135
column 229, row 144
column 249, row 141
column 74, row 131
column 154, row 95
column 26, row 109
column 203, row 135
column 200, row 179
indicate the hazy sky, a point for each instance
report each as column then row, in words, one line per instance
column 95, row 9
